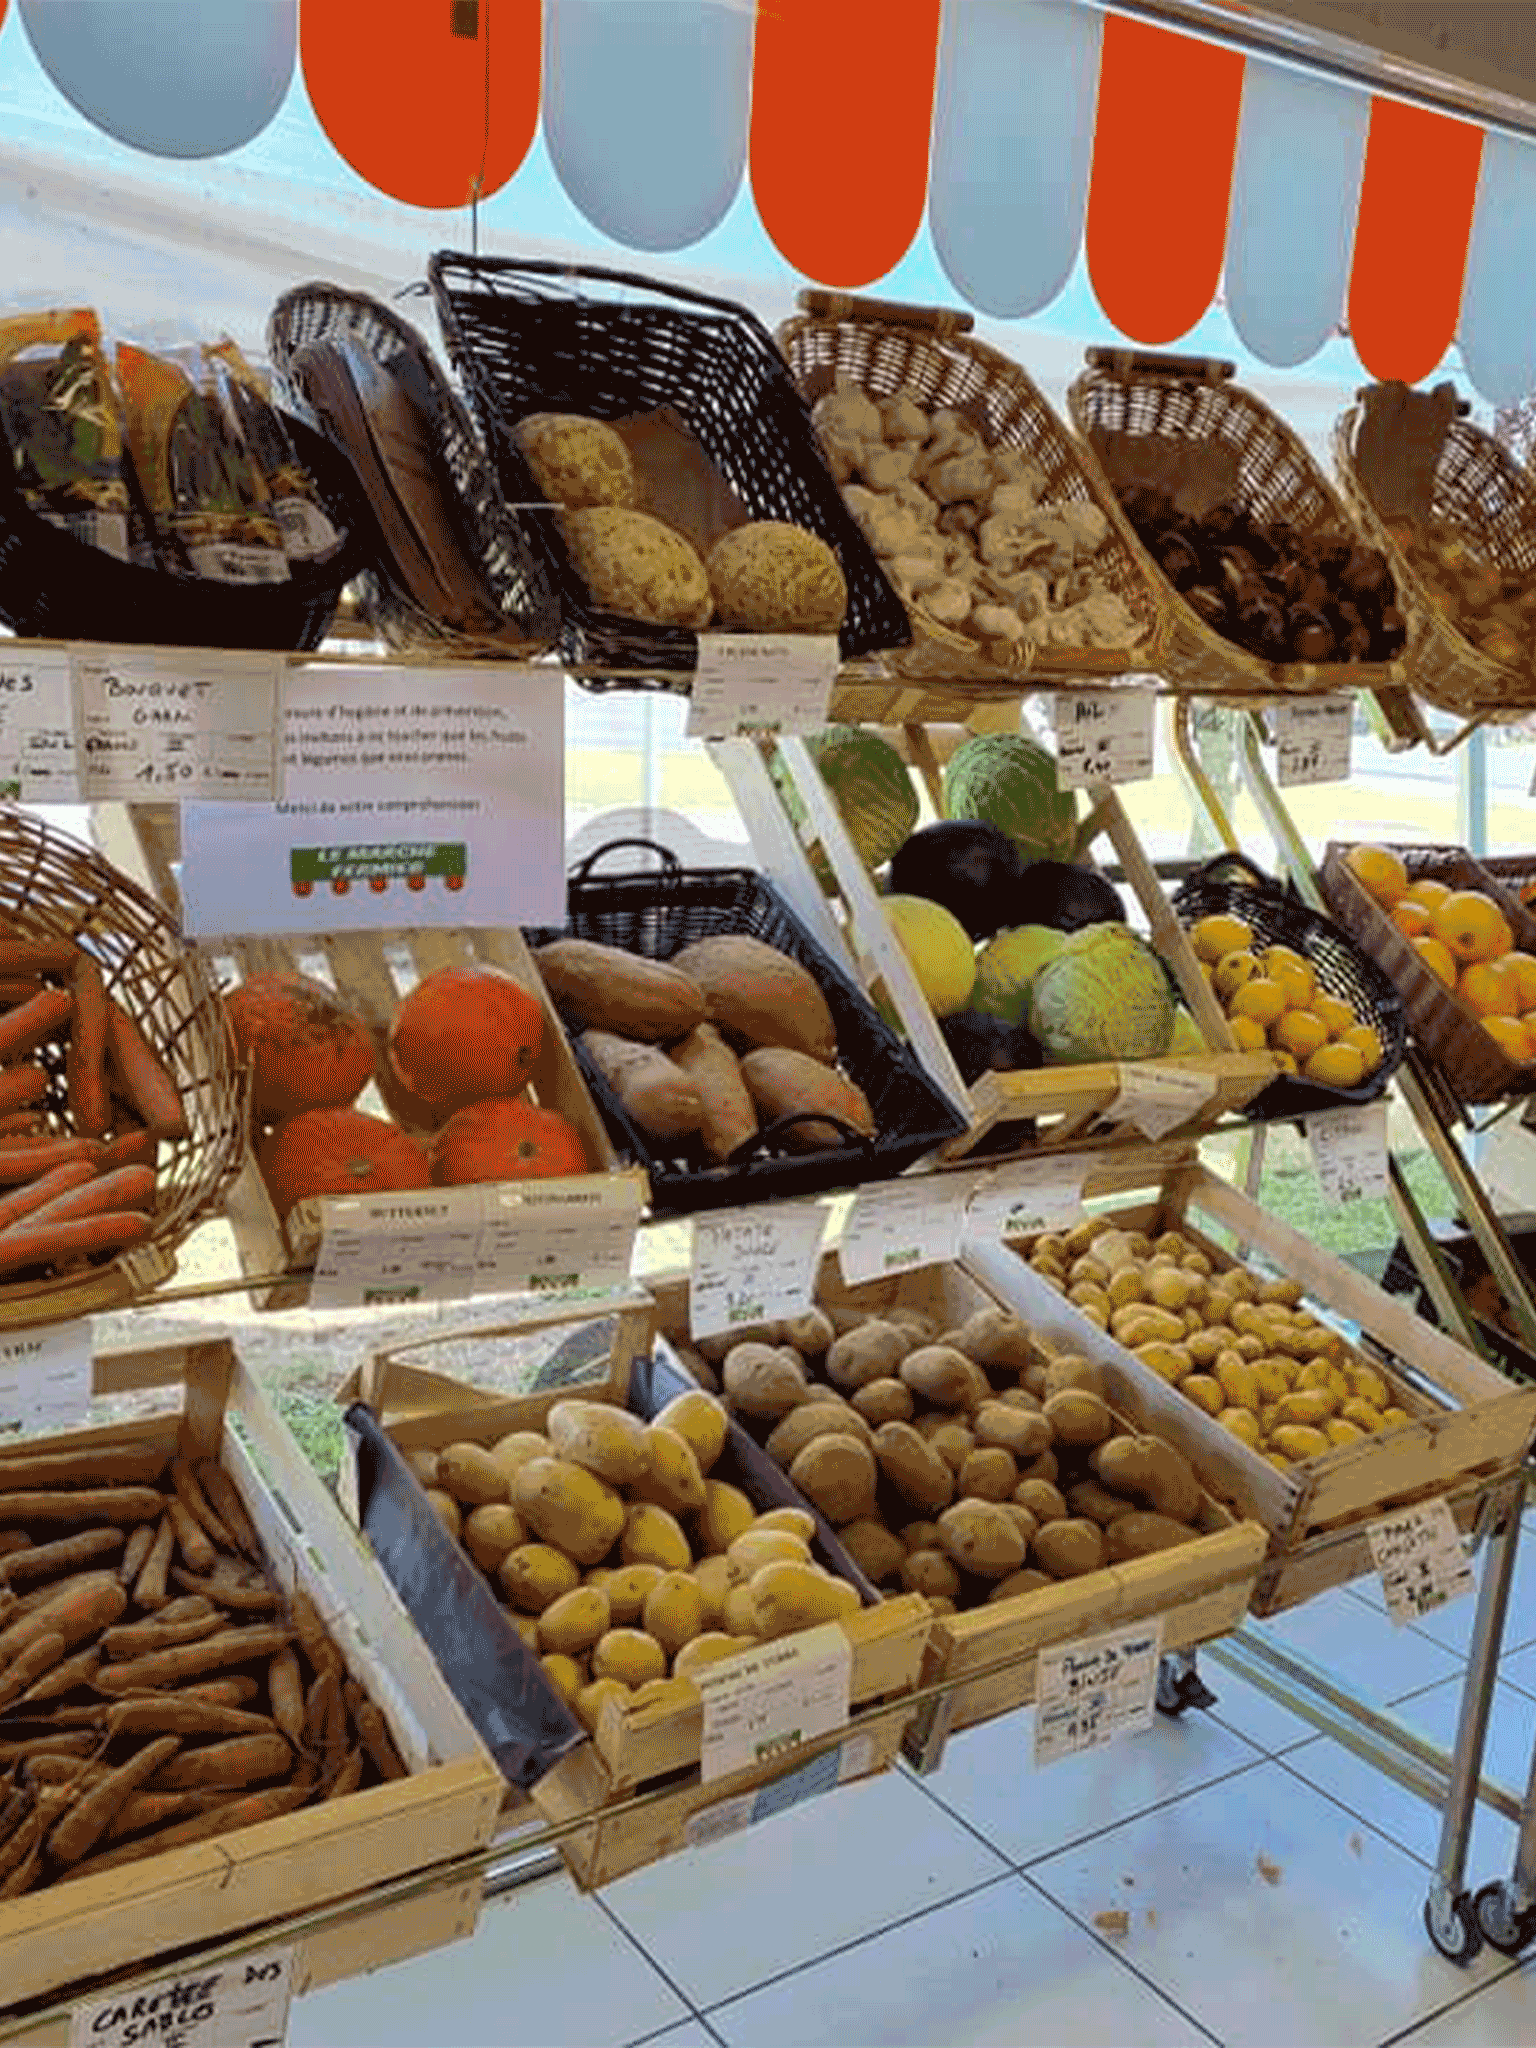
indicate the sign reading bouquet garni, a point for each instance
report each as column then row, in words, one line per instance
column 410, row 797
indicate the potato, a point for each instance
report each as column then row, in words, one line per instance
column 1020, row 1517
column 764, row 1382
column 787, row 1597
column 1047, row 1466
column 874, row 1352
column 940, row 1374
column 1018, row 1584
column 527, row 1628
column 674, row 1611
column 714, row 1349
column 1300, row 1443
column 878, row 1554
column 1093, row 1501
column 913, row 1467
column 1139, row 1534
column 569, row 1506
column 814, row 1418
column 514, row 1450
column 1171, row 1362
column 491, row 1531
column 627, row 1588
column 696, row 1365
column 979, row 1538
column 652, row 1536
column 1313, row 1406
column 446, row 1509
column 1068, row 1370
column 574, row 1622
column 1152, row 1472
column 1022, row 1431
column 920, row 1535
column 672, row 1695
column 1238, row 1381
column 700, row 1651
column 798, row 1521
column 952, row 1441
column 423, row 1465
column 673, row 1480
column 930, row 1572
column 535, row 1575
column 629, row 1655
column 1020, row 1397
column 564, row 1674
column 811, row 1334
column 757, row 1546
column 589, row 1701
column 1141, row 1322
column 712, row 1576
column 725, row 1513
column 1078, row 1417
column 740, row 1616
column 989, row 1473
column 604, row 1439
column 470, row 1474
column 701, row 1422
column 1128, row 1287
column 884, row 1400
column 1205, row 1392
column 1069, row 1549
column 1363, row 1415
column 837, row 1475
column 921, row 1328
column 1043, row 1500
column 998, row 1342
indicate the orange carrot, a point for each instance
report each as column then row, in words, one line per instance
column 91, row 1815
column 26, row 1158
column 221, row 1819
column 37, row 956
column 50, row 1560
column 130, row 1187
column 224, row 1692
column 129, row 1148
column 141, row 1542
column 348, row 1778
column 40, row 1655
column 21, row 1123
column 21, row 1086
column 12, row 1540
column 139, row 1638
column 143, row 1810
column 287, row 1695
column 35, row 1021
column 136, row 1464
column 373, row 1732
column 63, row 1678
column 122, row 1504
column 222, row 1496
column 192, row 1497
column 241, row 1760
column 191, row 1537
column 85, row 1065
column 149, row 1586
column 16, row 988
column 173, row 1714
column 51, row 1244
column 90, row 1603
column 37, row 1194
column 145, row 1082
column 213, row 1653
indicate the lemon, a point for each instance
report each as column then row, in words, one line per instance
column 1231, row 971
column 1379, row 872
column 1336, row 1066
column 1300, row 1033
column 1293, row 973
column 1286, row 1062
column 1366, row 1042
column 1248, row 1034
column 1259, row 998
column 938, row 949
column 1337, row 1017
column 1213, row 936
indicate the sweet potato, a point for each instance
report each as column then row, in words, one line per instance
column 758, row 994
column 85, row 1064
column 729, row 1119
column 783, row 1083
column 145, row 1082
column 49, row 1560
column 91, row 1815
column 657, row 1095
column 242, row 1760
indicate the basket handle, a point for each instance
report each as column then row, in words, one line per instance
column 1230, row 866
column 1136, row 362
column 749, row 1148
column 940, row 320
column 670, row 864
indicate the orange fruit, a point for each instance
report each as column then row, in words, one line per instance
column 1429, row 892
column 1286, row 1062
column 1512, row 1035
column 1365, row 1041
column 1438, row 958
column 1220, row 933
column 1522, row 966
column 1335, row 1014
column 1379, row 872
column 1259, row 998
column 505, row 1138
column 1337, row 1065
column 1300, row 1033
column 466, row 1033
column 1411, row 919
column 1471, row 925
column 1488, row 987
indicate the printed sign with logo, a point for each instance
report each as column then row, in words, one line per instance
column 1349, row 1150
column 763, row 1704
column 898, row 1225
column 761, row 682
column 1023, row 1200
column 45, row 1377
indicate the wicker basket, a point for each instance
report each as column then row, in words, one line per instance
column 1193, row 403
column 1489, row 500
column 1473, row 1066
column 315, row 312
column 930, row 352
column 52, row 887
column 537, row 337
column 1277, row 917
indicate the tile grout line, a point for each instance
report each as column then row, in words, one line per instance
column 1453, row 2004
column 1141, row 1813
column 676, row 1989
column 1374, row 1827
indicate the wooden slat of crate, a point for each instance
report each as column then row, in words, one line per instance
column 446, row 1806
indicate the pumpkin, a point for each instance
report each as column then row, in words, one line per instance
column 338, row 1152
column 505, row 1138
column 306, row 1047
column 466, row 1033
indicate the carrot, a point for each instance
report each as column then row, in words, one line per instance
column 85, row 1064
column 317, row 1646
column 240, row 1599
column 40, row 1655
column 91, row 1815
column 348, row 1778
column 46, row 1560
column 8, row 1605
column 68, row 1744
column 191, row 1537
column 226, row 1692
column 48, row 1802
column 286, row 1693
column 221, row 1819
column 77, row 1717
column 12, row 1540
column 242, row 1760
column 129, row 1148
column 149, row 1586
column 33, row 1022
column 143, row 1810
column 34, row 1195
column 65, row 1770
column 224, row 1498
column 145, row 1082
column 21, row 1086
column 21, row 1123
column 191, row 1494
column 14, row 1808
column 170, row 1714
column 22, row 1880
column 26, row 1158
column 16, row 988
column 127, row 1187
column 52, row 1243
column 114, row 1465
column 122, row 1504
column 141, row 1541
column 213, row 1653
column 77, row 1670
column 141, row 1639
column 80, row 1609
column 317, row 1711
column 335, row 1754
column 373, row 1733
column 37, row 956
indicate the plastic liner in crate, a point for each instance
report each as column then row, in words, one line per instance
column 54, row 587
column 1276, row 915
column 519, row 1717
column 550, row 337
column 1462, row 1253
column 655, row 914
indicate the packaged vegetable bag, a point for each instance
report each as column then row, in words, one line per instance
column 63, row 426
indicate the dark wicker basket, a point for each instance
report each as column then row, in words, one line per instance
column 655, row 914
column 514, row 573
column 1277, row 917
column 546, row 337
column 54, row 587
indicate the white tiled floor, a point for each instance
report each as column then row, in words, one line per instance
column 1231, row 1877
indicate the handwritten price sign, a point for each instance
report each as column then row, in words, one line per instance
column 1421, row 1558
column 1102, row 737
column 753, row 1266
column 243, row 2004
column 1349, row 1150
column 1312, row 740
column 1093, row 1691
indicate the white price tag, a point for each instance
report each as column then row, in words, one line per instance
column 896, row 1225
column 1421, row 1558
column 1091, row 1692
column 1102, row 736
column 242, row 2004
column 753, row 1266
column 1349, row 1150
column 173, row 724
column 575, row 1237
column 37, row 729
column 766, row 1702
column 1023, row 1200
column 377, row 1250
column 1157, row 1096
column 761, row 682
column 1312, row 736
column 45, row 1377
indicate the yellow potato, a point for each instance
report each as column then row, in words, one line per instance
column 629, row 1655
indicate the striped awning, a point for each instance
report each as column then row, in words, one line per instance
column 1025, row 133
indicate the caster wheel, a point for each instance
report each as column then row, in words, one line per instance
column 1500, row 1926
column 1452, row 1927
column 1179, row 1687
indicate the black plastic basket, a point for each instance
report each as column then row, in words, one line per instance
column 518, row 580
column 1277, row 916
column 547, row 337
column 54, row 587
column 655, row 914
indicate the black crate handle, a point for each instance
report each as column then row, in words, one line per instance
column 751, row 1148
column 670, row 864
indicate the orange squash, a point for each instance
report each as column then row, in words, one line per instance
column 465, row 1033
column 505, row 1138
column 338, row 1152
column 307, row 1048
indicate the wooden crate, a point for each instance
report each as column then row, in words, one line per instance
column 1202, row 1589
column 446, row 1807
column 1469, row 1422
column 1065, row 1103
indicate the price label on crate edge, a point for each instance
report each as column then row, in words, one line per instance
column 753, row 1266
column 151, row 725
column 572, row 1238
column 45, row 1378
column 898, row 1225
column 239, row 2004
column 1102, row 736
column 761, row 682
column 37, row 728
column 1312, row 737
column 1157, row 1096
column 1349, row 1150
column 1091, row 1692
column 1421, row 1558
column 762, row 1705
column 1023, row 1200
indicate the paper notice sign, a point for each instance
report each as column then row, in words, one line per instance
column 567, row 1237
column 766, row 1702
column 37, row 729
column 1422, row 1560
column 45, row 1377
column 382, row 1249
column 1091, row 1692
column 1157, row 1095
column 1103, row 736
column 897, row 1225
column 1312, row 736
column 761, row 682
column 163, row 723
column 753, row 1266
column 1349, row 1150
column 241, row 2004
column 1024, row 1199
